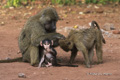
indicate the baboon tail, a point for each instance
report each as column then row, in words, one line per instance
column 19, row 59
column 95, row 24
column 68, row 65
column 103, row 40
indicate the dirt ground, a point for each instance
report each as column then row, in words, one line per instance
column 13, row 20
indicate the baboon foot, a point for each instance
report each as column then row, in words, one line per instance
column 100, row 62
column 88, row 65
column 70, row 62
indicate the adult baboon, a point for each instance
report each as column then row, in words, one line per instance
column 84, row 40
column 36, row 29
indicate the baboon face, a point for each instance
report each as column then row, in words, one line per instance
column 48, row 20
column 50, row 26
column 46, row 43
column 66, row 45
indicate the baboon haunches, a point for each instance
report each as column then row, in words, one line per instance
column 84, row 40
column 36, row 29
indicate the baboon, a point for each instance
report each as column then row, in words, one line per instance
column 49, row 54
column 35, row 30
column 84, row 40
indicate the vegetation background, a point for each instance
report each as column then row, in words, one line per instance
column 18, row 3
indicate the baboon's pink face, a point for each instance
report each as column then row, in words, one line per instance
column 46, row 46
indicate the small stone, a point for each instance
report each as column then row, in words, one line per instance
column 21, row 75
column 14, row 18
column 67, row 29
column 81, row 13
column 70, row 9
column 7, row 58
column 99, row 10
column 116, row 32
column 31, row 8
column 79, row 17
column 18, row 52
column 96, row 7
column 89, row 6
column 88, row 10
column 67, row 22
column 89, row 23
column 2, row 23
column 109, row 26
column 11, row 7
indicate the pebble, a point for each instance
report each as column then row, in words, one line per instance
column 96, row 7
column 2, row 23
column 116, row 32
column 11, row 7
column 7, row 58
column 21, row 75
column 109, row 26
column 81, row 13
column 88, row 10
column 99, row 10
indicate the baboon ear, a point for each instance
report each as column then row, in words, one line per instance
column 52, row 42
column 41, row 43
column 70, row 45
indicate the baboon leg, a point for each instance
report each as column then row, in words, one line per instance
column 99, row 54
column 87, row 62
column 26, row 55
column 82, row 48
column 34, row 55
column 73, row 55
column 91, row 54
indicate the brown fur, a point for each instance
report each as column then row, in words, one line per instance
column 84, row 40
column 35, row 31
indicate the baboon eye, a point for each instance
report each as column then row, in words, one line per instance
column 68, row 43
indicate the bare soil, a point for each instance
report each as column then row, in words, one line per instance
column 13, row 20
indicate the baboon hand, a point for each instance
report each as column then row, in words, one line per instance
column 59, row 36
column 62, row 37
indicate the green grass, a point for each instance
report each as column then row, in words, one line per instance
column 17, row 3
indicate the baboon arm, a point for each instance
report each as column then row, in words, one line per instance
column 54, row 52
column 38, row 36
column 43, row 58
column 35, row 40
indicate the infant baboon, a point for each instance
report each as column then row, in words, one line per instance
column 84, row 40
column 49, row 54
